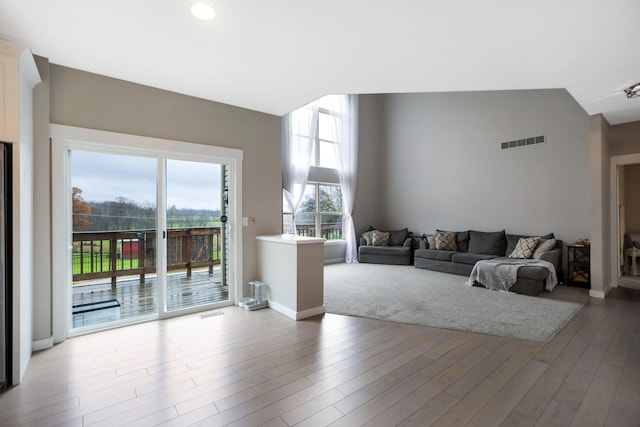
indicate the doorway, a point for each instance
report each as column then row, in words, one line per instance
column 147, row 225
column 629, row 224
column 625, row 180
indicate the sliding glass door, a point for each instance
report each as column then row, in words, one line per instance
column 194, row 234
column 114, row 217
column 148, row 235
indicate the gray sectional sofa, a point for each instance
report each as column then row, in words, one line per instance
column 397, row 251
column 473, row 246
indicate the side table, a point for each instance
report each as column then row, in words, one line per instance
column 579, row 265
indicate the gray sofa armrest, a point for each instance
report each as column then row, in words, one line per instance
column 423, row 244
column 408, row 242
column 554, row 256
column 363, row 241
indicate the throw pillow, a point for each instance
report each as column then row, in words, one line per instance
column 397, row 237
column 525, row 247
column 488, row 243
column 445, row 240
column 543, row 246
column 431, row 240
column 367, row 237
column 512, row 240
column 461, row 238
column 379, row 238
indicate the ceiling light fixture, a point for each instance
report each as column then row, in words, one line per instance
column 202, row 10
column 633, row 91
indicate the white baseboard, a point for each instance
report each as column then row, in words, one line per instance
column 601, row 294
column 296, row 315
column 334, row 260
column 42, row 344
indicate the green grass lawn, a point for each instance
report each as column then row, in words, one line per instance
column 100, row 263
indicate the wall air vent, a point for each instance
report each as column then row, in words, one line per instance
column 525, row 142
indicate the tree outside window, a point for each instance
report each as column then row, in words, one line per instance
column 320, row 213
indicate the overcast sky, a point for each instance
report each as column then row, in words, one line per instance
column 105, row 177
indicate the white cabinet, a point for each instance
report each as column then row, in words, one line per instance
column 18, row 76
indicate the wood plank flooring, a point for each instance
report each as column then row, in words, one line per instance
column 245, row 368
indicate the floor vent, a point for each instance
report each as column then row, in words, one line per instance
column 525, row 142
column 211, row 314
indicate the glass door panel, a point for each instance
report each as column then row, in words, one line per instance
column 194, row 235
column 114, row 215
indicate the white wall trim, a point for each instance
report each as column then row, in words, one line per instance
column 616, row 162
column 296, row 315
column 333, row 260
column 42, row 344
column 68, row 137
column 597, row 294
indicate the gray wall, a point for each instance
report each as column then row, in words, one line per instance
column 441, row 165
column 367, row 208
column 625, row 139
column 92, row 101
column 599, row 169
column 632, row 198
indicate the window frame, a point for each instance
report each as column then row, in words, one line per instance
column 317, row 213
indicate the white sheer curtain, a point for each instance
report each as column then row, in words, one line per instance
column 346, row 131
column 298, row 132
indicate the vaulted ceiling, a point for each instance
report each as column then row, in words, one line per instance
column 274, row 56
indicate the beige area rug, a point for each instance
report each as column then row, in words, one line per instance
column 411, row 295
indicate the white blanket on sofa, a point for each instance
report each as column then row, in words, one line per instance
column 501, row 274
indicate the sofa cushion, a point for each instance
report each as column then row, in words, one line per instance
column 544, row 245
column 385, row 250
column 531, row 272
column 489, row 243
column 446, row 240
column 525, row 247
column 512, row 241
column 462, row 241
column 439, row 255
column 379, row 238
column 470, row 257
column 397, row 237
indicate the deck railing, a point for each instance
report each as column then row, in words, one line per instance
column 111, row 254
column 329, row 231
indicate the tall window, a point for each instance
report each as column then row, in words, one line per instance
column 320, row 213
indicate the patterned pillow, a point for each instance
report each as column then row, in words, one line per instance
column 367, row 237
column 379, row 238
column 445, row 240
column 543, row 246
column 525, row 247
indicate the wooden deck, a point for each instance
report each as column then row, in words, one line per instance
column 136, row 299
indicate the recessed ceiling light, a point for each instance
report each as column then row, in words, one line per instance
column 203, row 11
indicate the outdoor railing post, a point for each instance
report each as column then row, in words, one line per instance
column 186, row 251
column 114, row 264
column 211, row 236
column 142, row 243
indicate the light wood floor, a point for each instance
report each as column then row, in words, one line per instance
column 260, row 368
